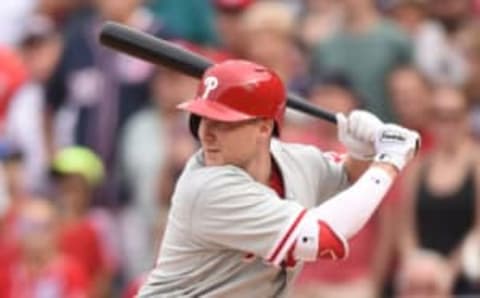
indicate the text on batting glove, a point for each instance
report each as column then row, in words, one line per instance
column 395, row 145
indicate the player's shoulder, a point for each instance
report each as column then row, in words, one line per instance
column 198, row 179
column 303, row 158
column 296, row 151
column 203, row 190
column 213, row 177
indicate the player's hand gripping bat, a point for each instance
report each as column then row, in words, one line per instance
column 159, row 51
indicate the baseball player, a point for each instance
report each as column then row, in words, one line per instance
column 248, row 209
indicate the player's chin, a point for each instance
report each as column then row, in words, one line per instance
column 212, row 160
column 213, row 163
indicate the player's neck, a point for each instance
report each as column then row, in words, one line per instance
column 260, row 167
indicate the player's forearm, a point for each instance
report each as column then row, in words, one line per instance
column 348, row 211
column 326, row 227
column 345, row 212
column 323, row 232
column 354, row 168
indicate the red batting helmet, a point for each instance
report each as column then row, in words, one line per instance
column 237, row 90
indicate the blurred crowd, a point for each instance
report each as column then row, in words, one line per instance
column 91, row 142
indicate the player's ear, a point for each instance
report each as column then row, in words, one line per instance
column 266, row 127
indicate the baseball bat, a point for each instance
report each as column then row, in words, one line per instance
column 158, row 51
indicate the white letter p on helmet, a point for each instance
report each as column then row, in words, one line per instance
column 210, row 83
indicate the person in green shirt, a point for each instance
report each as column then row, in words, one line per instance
column 366, row 49
column 190, row 20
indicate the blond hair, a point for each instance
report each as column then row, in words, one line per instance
column 271, row 16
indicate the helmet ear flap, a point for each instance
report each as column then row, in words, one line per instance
column 194, row 123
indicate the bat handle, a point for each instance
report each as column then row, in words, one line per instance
column 298, row 103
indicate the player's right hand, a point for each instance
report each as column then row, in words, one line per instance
column 357, row 133
column 396, row 145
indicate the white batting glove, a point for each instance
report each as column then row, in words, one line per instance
column 396, row 145
column 357, row 133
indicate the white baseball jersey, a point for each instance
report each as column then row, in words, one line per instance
column 227, row 234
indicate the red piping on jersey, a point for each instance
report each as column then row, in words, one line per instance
column 330, row 246
column 287, row 235
column 276, row 180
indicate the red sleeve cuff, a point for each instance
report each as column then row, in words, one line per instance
column 331, row 245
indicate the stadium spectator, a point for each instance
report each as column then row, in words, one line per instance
column 442, row 185
column 410, row 93
column 39, row 50
column 94, row 90
column 436, row 55
column 40, row 269
column 318, row 20
column 200, row 27
column 229, row 25
column 366, row 49
column 363, row 273
column 155, row 143
column 77, row 171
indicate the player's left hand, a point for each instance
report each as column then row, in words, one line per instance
column 357, row 133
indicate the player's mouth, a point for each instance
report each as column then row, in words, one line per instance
column 211, row 150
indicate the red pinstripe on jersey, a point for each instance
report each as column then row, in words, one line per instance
column 331, row 246
column 284, row 239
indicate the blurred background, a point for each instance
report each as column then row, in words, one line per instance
column 91, row 143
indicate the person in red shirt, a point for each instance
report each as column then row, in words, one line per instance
column 41, row 270
column 13, row 195
column 229, row 25
column 332, row 92
column 9, row 247
column 12, row 75
column 361, row 275
column 77, row 171
column 411, row 95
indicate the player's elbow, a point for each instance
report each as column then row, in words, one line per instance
column 317, row 240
